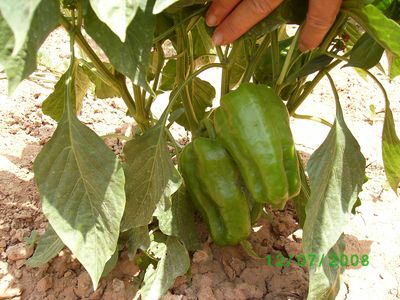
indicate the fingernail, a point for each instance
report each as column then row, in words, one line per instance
column 217, row 38
column 211, row 20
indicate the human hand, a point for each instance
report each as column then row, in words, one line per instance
column 235, row 17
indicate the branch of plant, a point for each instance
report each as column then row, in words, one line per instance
column 181, row 70
column 117, row 83
column 292, row 106
column 160, row 64
column 288, row 59
column 179, row 89
column 312, row 118
column 255, row 60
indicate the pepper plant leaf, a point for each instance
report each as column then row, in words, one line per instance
column 391, row 149
column 53, row 105
column 336, row 170
column 179, row 220
column 325, row 278
column 19, row 15
column 174, row 261
column 366, row 53
column 117, row 14
column 382, row 29
column 48, row 247
column 151, row 177
column 132, row 57
column 19, row 61
column 81, row 184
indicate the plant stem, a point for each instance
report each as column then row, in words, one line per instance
column 312, row 118
column 275, row 54
column 254, row 61
column 118, row 84
column 181, row 68
column 286, row 64
column 225, row 71
column 160, row 64
column 292, row 106
column 182, row 85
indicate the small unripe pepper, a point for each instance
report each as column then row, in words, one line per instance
column 253, row 125
column 213, row 182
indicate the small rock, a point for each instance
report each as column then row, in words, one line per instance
column 44, row 284
column 169, row 296
column 298, row 235
column 200, row 257
column 3, row 268
column 3, row 244
column 118, row 285
column 18, row 274
column 206, row 293
column 20, row 263
column 9, row 288
column 84, row 287
column 19, row 251
column 5, row 227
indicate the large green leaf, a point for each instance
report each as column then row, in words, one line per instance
column 131, row 58
column 49, row 246
column 366, row 53
column 21, row 64
column 53, row 105
column 151, row 177
column 179, row 220
column 117, row 14
column 384, row 30
column 327, row 274
column 336, row 170
column 174, row 262
column 81, row 185
column 391, row 149
column 19, row 15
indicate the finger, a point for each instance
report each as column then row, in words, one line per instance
column 320, row 17
column 242, row 18
column 218, row 10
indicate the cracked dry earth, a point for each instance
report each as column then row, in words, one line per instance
column 216, row 273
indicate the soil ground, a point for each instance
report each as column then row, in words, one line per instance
column 216, row 273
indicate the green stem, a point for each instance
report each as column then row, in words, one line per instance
column 118, row 84
column 312, row 118
column 292, row 106
column 182, row 85
column 225, row 71
column 381, row 87
column 254, row 61
column 275, row 54
column 286, row 64
column 160, row 64
column 181, row 69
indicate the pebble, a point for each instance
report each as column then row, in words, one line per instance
column 19, row 251
column 8, row 288
column 44, row 284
